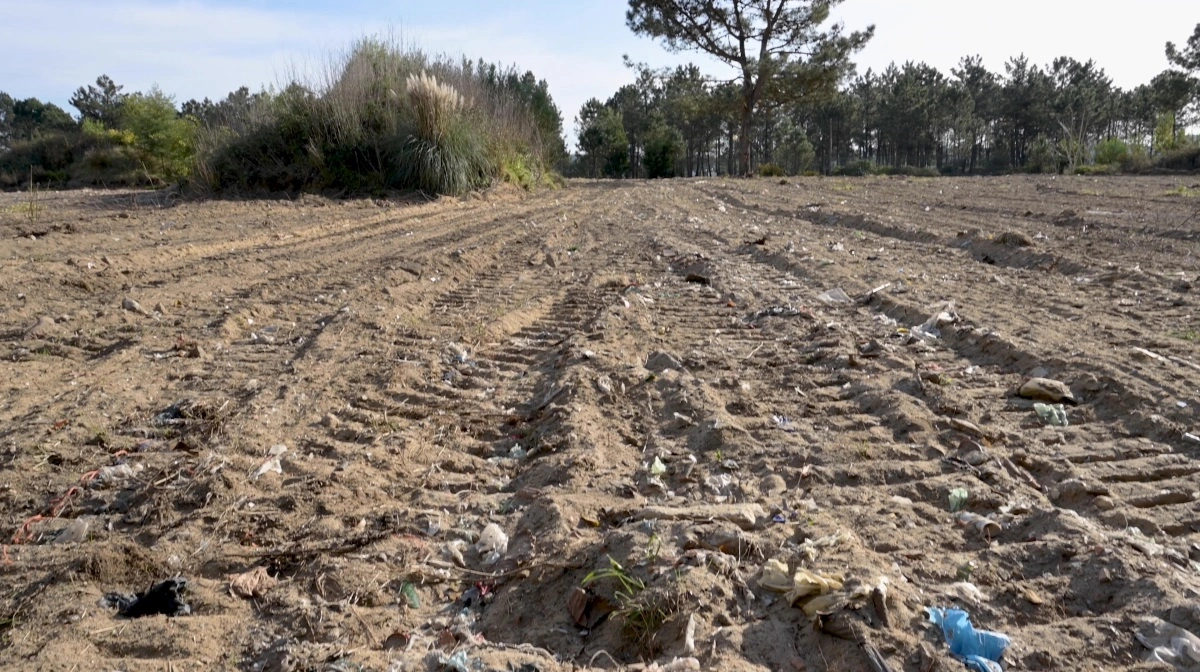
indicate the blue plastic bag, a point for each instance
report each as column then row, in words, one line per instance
column 979, row 649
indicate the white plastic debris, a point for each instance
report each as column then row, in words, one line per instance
column 272, row 463
column 1169, row 643
column 492, row 544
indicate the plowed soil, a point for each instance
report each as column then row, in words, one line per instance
column 640, row 373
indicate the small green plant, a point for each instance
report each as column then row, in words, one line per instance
column 643, row 612
column 1183, row 192
column 1187, row 335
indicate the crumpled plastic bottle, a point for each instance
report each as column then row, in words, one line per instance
column 981, row 650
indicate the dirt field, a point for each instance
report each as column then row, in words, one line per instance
column 641, row 372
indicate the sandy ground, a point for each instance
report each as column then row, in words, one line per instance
column 348, row 394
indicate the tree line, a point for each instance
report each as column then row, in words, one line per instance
column 796, row 105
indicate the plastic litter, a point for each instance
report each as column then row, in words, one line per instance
column 930, row 329
column 162, row 598
column 117, row 474
column 492, row 544
column 1054, row 415
column 657, row 468
column 986, row 527
column 981, row 650
column 775, row 577
column 459, row 662
column 74, row 533
column 1046, row 389
column 272, row 463
column 253, row 583
column 1169, row 643
column 959, row 498
column 833, row 296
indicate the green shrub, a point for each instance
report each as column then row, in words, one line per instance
column 770, row 170
column 858, row 168
column 912, row 171
column 1185, row 158
column 1111, row 151
column 811, row 173
column 385, row 118
column 1097, row 169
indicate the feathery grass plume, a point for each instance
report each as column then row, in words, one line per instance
column 433, row 104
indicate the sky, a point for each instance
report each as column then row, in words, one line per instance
column 206, row 48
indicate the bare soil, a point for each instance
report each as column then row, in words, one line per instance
column 638, row 372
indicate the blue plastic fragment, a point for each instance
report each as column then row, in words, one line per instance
column 981, row 650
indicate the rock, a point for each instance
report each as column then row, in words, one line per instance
column 1045, row 389
column 42, row 328
column 133, row 306
column 745, row 516
column 1014, row 239
column 661, row 361
column 1105, row 503
column 160, row 309
column 772, row 484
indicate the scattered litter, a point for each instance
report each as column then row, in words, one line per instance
column 1169, row 643
column 981, row 650
column 807, row 583
column 459, row 662
column 834, row 296
column 74, row 533
column 162, row 598
column 117, row 474
column 518, row 453
column 409, row 592
column 657, row 468
column 986, row 527
column 930, row 329
column 493, row 544
column 959, row 498
column 272, row 464
column 1192, row 437
column 967, row 592
column 1054, row 415
column 785, row 423
column 780, row 311
column 1045, row 389
column 587, row 609
column 253, row 583
column 689, row 635
column 676, row 665
column 775, row 577
column 453, row 550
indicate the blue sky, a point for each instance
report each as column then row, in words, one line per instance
column 198, row 48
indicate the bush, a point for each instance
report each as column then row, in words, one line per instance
column 856, row 169
column 385, row 118
column 912, row 171
column 1111, row 151
column 165, row 142
column 770, row 170
column 49, row 157
column 1097, row 169
column 1186, row 158
column 1136, row 160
